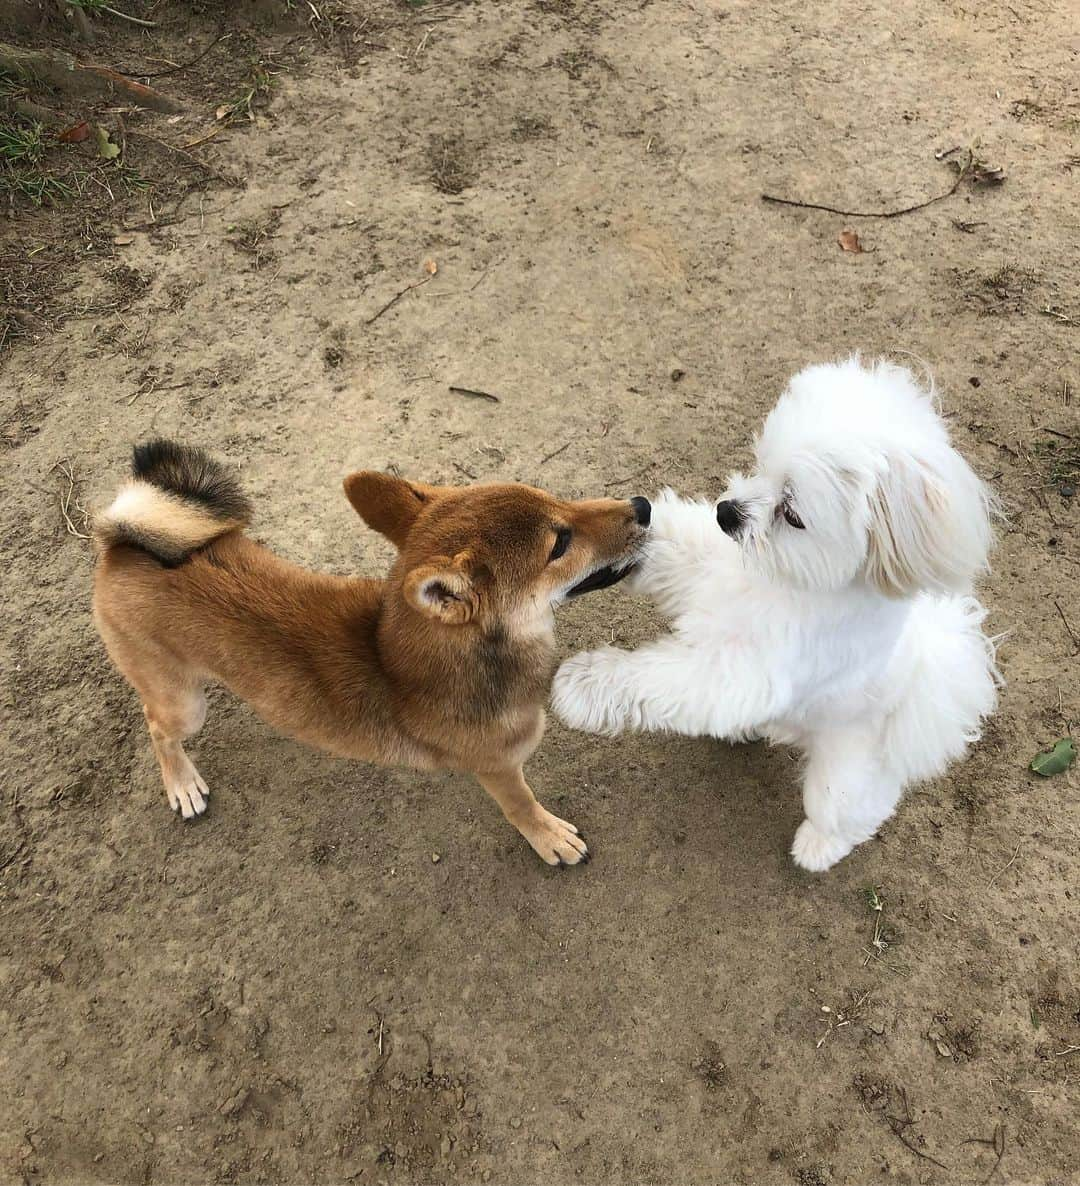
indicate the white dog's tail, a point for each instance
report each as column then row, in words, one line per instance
column 953, row 686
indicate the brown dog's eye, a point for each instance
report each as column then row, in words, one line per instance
column 562, row 542
column 791, row 518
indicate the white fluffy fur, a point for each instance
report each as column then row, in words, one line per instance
column 855, row 638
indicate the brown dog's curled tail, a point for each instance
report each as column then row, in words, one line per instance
column 178, row 499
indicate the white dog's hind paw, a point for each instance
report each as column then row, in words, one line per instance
column 817, row 851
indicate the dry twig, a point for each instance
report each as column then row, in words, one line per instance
column 900, row 1125
column 183, row 65
column 68, row 499
column 561, row 449
column 228, row 178
column 472, row 393
column 1072, row 632
column 394, row 299
column 962, row 172
column 996, row 1142
column 1005, row 866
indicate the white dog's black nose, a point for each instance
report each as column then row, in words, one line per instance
column 730, row 516
column 642, row 509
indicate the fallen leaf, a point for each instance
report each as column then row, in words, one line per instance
column 431, row 267
column 849, row 241
column 106, row 148
column 123, row 240
column 76, row 134
column 1055, row 761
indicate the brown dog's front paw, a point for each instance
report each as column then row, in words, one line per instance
column 188, row 795
column 556, row 841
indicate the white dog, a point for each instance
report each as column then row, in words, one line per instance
column 832, row 612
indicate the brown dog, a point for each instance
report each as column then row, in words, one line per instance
column 446, row 663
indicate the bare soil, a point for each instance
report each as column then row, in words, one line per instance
column 349, row 974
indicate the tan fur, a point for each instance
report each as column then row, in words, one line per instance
column 445, row 663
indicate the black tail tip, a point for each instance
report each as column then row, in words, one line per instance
column 191, row 473
column 150, row 459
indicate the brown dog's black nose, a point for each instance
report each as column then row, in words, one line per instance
column 730, row 517
column 642, row 509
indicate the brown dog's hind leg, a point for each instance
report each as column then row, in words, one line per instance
column 556, row 841
column 173, row 716
column 171, row 692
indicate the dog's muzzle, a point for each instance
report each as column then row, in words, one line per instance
column 730, row 516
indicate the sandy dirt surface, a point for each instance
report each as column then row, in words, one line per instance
column 349, row 974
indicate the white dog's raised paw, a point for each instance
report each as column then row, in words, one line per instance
column 816, row 851
column 581, row 693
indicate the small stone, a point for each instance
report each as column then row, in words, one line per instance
column 435, row 858
column 943, row 1050
column 234, row 1103
column 875, row 1027
column 677, row 374
column 515, row 1121
column 1066, row 490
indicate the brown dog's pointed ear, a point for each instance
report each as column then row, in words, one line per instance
column 443, row 590
column 387, row 504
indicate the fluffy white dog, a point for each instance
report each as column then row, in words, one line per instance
column 832, row 612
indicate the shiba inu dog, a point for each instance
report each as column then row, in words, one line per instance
column 444, row 663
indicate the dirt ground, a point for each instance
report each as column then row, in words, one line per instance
column 349, row 974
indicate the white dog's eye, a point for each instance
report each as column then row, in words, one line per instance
column 791, row 518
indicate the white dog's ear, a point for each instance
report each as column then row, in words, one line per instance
column 929, row 525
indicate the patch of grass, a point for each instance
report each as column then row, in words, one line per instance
column 1009, row 281
column 252, row 235
column 578, row 62
column 1059, row 460
column 530, row 127
column 23, row 146
column 1027, row 109
column 10, row 88
column 1005, row 290
column 34, row 186
column 710, row 1068
column 452, row 164
column 21, row 143
column 253, row 93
